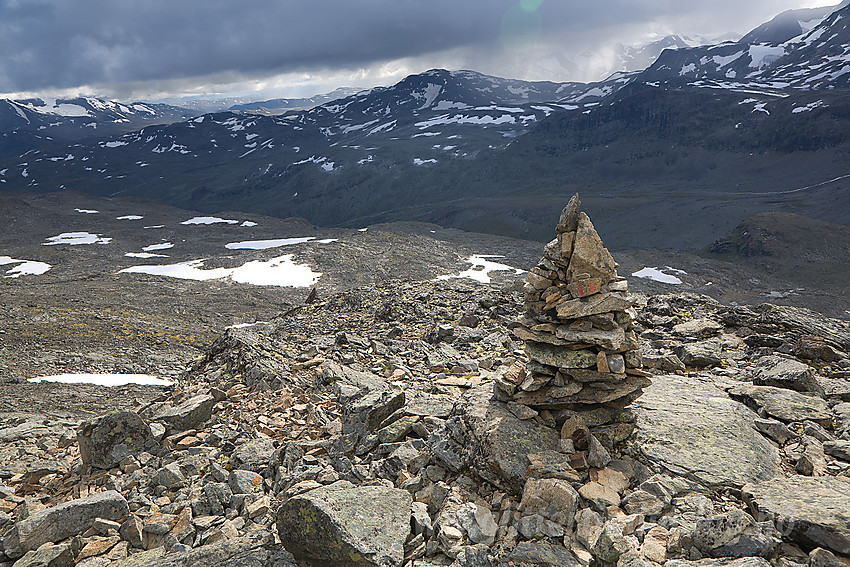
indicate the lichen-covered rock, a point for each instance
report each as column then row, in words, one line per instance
column 485, row 435
column 784, row 405
column 108, row 439
column 690, row 427
column 812, row 510
column 48, row 556
column 187, row 415
column 346, row 525
column 65, row 520
column 786, row 373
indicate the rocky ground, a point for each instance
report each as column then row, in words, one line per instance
column 361, row 425
column 84, row 316
column 372, row 412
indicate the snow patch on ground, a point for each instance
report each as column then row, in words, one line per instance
column 109, row 380
column 450, row 105
column 208, row 220
column 144, row 255
column 809, row 107
column 764, row 55
column 274, row 243
column 24, row 267
column 280, row 272
column 663, row 275
column 243, row 325
column 265, row 244
column 74, row 238
column 87, row 211
column 130, row 217
column 481, row 268
column 420, row 161
column 431, row 93
column 486, row 120
column 162, row 246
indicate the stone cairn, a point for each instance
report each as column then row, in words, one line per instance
column 578, row 327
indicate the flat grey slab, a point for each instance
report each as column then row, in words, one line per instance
column 784, row 405
column 814, row 511
column 724, row 562
column 690, row 427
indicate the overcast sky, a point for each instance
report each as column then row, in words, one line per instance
column 147, row 49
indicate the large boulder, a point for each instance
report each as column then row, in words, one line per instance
column 542, row 554
column 48, row 556
column 65, row 520
column 812, row 511
column 784, row 405
column 257, row 548
column 346, row 525
column 484, row 435
column 552, row 498
column 787, row 373
column 742, row 562
column 691, row 428
column 108, row 439
column 187, row 415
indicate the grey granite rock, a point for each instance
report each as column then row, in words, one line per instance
column 108, row 439
column 483, row 434
column 347, row 525
column 689, row 427
column 786, row 373
column 810, row 510
column 65, row 520
column 188, row 415
column 784, row 405
column 255, row 549
column 542, row 554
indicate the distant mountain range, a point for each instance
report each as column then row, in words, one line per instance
column 30, row 123
column 670, row 156
column 281, row 105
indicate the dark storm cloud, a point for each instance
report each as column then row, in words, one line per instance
column 68, row 43
column 65, row 42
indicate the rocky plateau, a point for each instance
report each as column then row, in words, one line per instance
column 387, row 416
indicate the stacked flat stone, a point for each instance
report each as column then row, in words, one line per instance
column 578, row 326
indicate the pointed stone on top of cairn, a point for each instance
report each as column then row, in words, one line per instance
column 578, row 326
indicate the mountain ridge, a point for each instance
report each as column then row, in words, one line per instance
column 455, row 146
